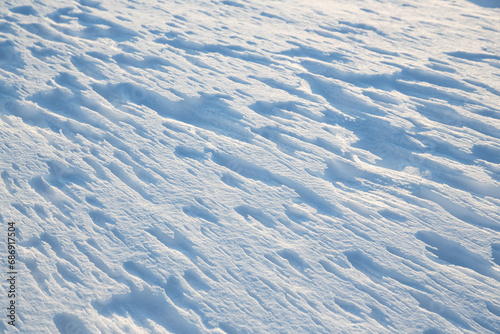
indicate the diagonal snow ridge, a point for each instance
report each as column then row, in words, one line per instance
column 252, row 167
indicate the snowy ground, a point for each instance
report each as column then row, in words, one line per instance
column 251, row 166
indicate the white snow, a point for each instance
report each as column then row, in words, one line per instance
column 251, row 166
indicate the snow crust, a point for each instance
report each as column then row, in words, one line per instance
column 252, row 166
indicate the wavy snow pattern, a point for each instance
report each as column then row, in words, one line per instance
column 237, row 167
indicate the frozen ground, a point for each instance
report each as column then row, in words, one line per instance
column 252, row 166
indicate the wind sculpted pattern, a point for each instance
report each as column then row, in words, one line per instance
column 252, row 166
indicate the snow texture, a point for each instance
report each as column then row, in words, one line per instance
column 243, row 166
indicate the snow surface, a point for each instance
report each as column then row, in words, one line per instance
column 238, row 166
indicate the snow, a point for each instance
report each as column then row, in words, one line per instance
column 251, row 166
